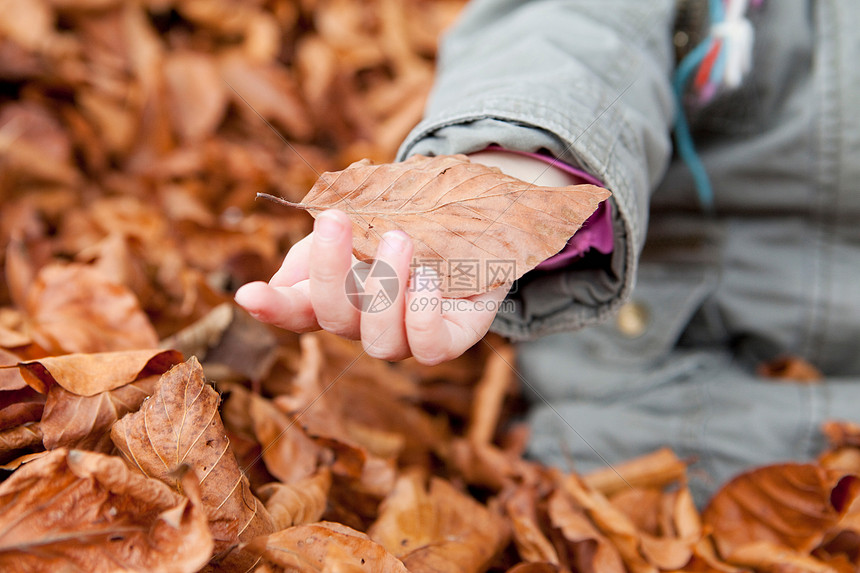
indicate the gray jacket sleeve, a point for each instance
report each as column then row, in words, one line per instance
column 589, row 82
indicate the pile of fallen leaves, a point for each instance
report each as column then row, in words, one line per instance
column 147, row 424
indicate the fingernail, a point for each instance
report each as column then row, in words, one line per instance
column 393, row 243
column 327, row 227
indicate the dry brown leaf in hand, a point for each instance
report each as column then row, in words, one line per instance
column 180, row 424
column 83, row 511
column 91, row 374
column 787, row 505
column 327, row 546
column 455, row 209
column 438, row 528
column 84, row 422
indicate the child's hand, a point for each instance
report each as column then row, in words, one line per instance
column 308, row 293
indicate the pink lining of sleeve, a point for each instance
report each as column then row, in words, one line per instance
column 596, row 233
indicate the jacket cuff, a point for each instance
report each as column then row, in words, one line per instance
column 548, row 301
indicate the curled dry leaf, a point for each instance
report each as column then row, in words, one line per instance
column 83, row 511
column 614, row 524
column 438, row 529
column 456, row 210
column 655, row 470
column 298, row 503
column 19, row 404
column 328, row 546
column 20, row 407
column 532, row 544
column 91, row 374
column 489, row 395
column 791, row 506
column 180, row 424
column 15, row 439
column 584, row 545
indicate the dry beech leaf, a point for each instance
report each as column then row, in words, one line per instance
column 489, row 466
column 289, row 454
column 84, row 422
column 19, row 403
column 532, row 544
column 489, row 395
column 327, row 546
column 91, row 374
column 18, row 438
column 26, row 458
column 767, row 556
column 81, row 511
column 180, row 424
column 787, row 505
column 438, row 529
column 266, row 90
column 841, row 433
column 74, row 308
column 657, row 469
column 614, row 524
column 456, row 210
column 20, row 407
column 791, row 368
column 588, row 548
column 295, row 504
column 535, row 568
column 198, row 95
column 642, row 505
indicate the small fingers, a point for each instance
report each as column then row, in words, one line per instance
column 285, row 307
column 427, row 331
column 331, row 256
column 383, row 331
column 477, row 312
column 295, row 265
column 440, row 329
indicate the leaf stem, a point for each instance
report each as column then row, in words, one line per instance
column 281, row 201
